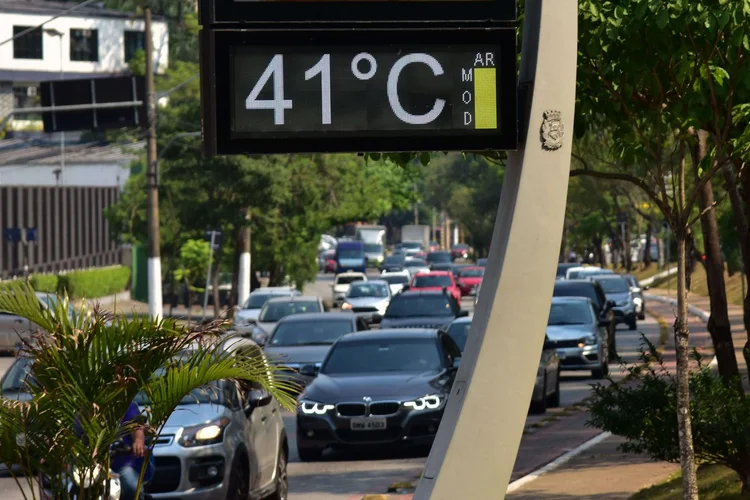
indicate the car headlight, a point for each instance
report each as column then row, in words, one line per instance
column 431, row 402
column 346, row 306
column 590, row 340
column 204, row 434
column 313, row 408
column 637, row 300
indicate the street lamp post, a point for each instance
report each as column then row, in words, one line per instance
column 60, row 35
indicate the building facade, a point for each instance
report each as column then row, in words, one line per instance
column 88, row 42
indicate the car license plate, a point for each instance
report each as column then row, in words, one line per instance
column 368, row 424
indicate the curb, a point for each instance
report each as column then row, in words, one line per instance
column 658, row 276
column 695, row 311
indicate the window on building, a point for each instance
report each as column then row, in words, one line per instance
column 84, row 45
column 134, row 41
column 28, row 46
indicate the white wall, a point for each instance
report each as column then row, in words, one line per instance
column 111, row 43
column 105, row 174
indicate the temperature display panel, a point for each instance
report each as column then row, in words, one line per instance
column 451, row 90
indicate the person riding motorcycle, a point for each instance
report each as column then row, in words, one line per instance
column 128, row 465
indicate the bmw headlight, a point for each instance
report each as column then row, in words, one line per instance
column 431, row 402
column 308, row 407
column 204, row 434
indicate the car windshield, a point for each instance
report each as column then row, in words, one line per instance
column 570, row 313
column 459, row 332
column 395, row 279
column 429, row 280
column 578, row 290
column 274, row 311
column 394, row 260
column 349, row 253
column 471, row 273
column 407, row 355
column 302, row 333
column 460, row 246
column 614, row 285
column 367, row 289
column 411, row 245
column 416, row 263
column 439, row 257
column 218, row 392
column 51, row 302
column 572, row 275
column 482, row 262
column 258, row 300
column 18, row 375
column 345, row 280
column 408, row 306
column 373, row 248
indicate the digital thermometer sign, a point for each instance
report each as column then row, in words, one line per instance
column 364, row 91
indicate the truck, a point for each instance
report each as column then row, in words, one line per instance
column 350, row 257
column 416, row 234
column 373, row 238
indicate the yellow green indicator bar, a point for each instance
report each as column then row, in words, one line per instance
column 485, row 98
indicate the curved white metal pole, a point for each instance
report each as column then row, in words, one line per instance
column 478, row 439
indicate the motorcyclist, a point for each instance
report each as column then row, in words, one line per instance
column 128, row 465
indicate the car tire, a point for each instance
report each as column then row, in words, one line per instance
column 632, row 324
column 282, row 479
column 239, row 481
column 309, row 454
column 554, row 398
column 540, row 407
column 642, row 314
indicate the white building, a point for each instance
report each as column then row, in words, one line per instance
column 86, row 43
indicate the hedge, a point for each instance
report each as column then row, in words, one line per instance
column 47, row 283
column 93, row 283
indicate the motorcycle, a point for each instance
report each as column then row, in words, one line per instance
column 77, row 483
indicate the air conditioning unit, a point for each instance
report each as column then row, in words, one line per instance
column 31, row 91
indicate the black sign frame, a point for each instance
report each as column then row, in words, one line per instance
column 216, row 81
column 232, row 11
column 99, row 90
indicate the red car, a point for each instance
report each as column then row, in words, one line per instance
column 436, row 281
column 469, row 279
column 460, row 251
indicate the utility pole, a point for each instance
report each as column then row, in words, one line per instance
column 154, row 257
column 243, row 282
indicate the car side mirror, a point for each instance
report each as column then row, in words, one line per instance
column 377, row 318
column 309, row 370
column 463, row 313
column 256, row 399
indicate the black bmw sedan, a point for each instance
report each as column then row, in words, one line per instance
column 377, row 388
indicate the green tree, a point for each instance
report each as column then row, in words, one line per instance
column 87, row 369
column 659, row 72
column 192, row 266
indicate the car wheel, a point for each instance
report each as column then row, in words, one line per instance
column 309, row 454
column 554, row 398
column 632, row 324
column 540, row 407
column 642, row 315
column 239, row 481
column 282, row 479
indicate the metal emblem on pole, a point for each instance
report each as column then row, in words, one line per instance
column 553, row 130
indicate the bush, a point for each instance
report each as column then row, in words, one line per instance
column 643, row 410
column 93, row 283
column 47, row 283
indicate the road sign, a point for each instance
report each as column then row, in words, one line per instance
column 93, row 91
column 338, row 11
column 215, row 236
column 364, row 90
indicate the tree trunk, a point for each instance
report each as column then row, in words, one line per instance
column 215, row 286
column 744, row 235
column 682, row 348
column 718, row 324
column 647, row 247
column 628, row 264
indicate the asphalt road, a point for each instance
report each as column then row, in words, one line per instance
column 339, row 476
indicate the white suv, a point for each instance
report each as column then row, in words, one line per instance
column 341, row 284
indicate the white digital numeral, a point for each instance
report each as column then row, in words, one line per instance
column 395, row 102
column 278, row 104
column 323, row 68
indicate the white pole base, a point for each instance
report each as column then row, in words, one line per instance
column 243, row 282
column 155, row 307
